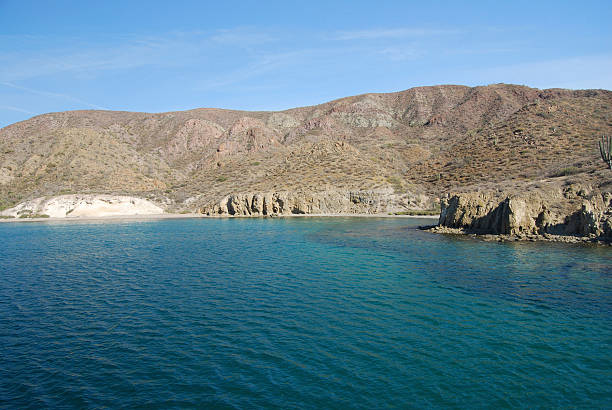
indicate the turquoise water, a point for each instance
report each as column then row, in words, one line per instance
column 298, row 313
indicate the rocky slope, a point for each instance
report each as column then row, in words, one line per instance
column 372, row 153
column 548, row 212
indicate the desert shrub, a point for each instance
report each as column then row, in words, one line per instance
column 417, row 212
column 30, row 215
column 565, row 172
column 395, row 182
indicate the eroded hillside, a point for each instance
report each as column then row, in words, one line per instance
column 412, row 145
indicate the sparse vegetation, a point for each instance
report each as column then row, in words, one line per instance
column 566, row 171
column 30, row 215
column 419, row 212
column 395, row 182
column 481, row 144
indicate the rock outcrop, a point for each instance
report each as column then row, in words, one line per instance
column 326, row 202
column 73, row 206
column 573, row 211
column 195, row 134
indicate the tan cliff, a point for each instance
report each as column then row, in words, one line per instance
column 570, row 211
column 326, row 202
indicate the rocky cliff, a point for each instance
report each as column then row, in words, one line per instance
column 325, row 202
column 570, row 211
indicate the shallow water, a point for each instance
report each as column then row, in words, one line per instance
column 298, row 313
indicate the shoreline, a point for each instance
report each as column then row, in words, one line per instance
column 504, row 238
column 435, row 229
column 197, row 216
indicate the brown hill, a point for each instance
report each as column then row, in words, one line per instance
column 425, row 140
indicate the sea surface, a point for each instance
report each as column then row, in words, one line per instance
column 298, row 313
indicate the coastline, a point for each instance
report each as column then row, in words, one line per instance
column 573, row 239
column 435, row 229
column 196, row 215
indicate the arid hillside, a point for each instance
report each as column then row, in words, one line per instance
column 419, row 143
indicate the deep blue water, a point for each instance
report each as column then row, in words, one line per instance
column 298, row 313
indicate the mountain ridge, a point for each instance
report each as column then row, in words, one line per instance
column 420, row 141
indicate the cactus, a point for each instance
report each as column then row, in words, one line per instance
column 605, row 149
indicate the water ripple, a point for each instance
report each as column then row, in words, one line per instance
column 303, row 313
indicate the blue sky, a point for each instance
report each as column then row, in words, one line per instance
column 160, row 56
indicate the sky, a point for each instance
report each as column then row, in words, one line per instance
column 158, row 56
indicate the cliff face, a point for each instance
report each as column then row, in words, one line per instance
column 326, row 202
column 571, row 211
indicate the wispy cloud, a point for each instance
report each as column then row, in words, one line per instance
column 188, row 49
column 123, row 53
column 51, row 94
column 390, row 33
column 400, row 53
column 93, row 58
column 16, row 109
column 260, row 65
column 242, row 36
